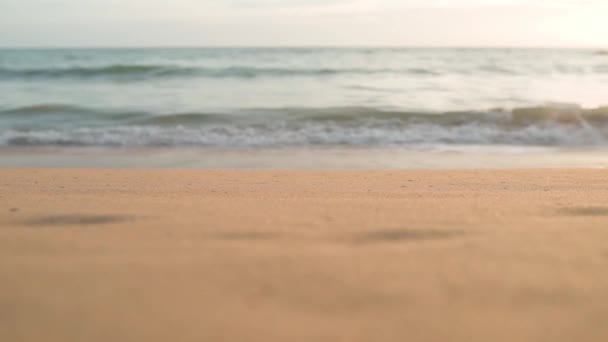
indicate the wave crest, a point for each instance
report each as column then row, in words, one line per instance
column 356, row 126
column 136, row 72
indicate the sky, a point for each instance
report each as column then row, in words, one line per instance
column 504, row 23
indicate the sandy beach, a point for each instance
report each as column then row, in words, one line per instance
column 220, row 255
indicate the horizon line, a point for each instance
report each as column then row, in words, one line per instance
column 320, row 46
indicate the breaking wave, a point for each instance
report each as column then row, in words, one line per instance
column 352, row 126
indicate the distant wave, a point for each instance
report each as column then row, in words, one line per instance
column 45, row 109
column 138, row 72
column 351, row 126
column 95, row 72
column 148, row 72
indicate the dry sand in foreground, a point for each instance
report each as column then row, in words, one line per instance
column 167, row 255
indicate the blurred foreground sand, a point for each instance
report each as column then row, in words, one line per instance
column 169, row 255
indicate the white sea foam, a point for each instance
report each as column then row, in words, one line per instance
column 313, row 134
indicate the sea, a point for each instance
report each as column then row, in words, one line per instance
column 282, row 107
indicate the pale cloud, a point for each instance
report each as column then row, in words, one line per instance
column 303, row 22
column 283, row 4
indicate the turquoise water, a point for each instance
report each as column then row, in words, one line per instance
column 300, row 97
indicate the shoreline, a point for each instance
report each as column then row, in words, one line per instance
column 275, row 255
column 309, row 158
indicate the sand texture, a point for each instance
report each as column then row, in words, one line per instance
column 168, row 255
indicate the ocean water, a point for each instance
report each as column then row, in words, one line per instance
column 399, row 98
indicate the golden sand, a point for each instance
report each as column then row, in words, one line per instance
column 169, row 255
